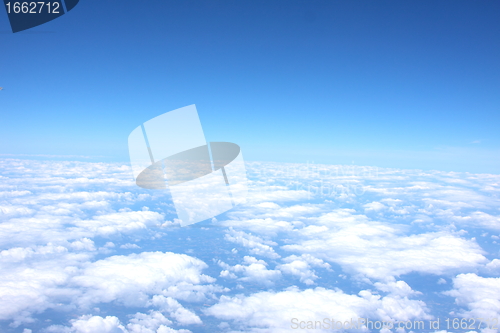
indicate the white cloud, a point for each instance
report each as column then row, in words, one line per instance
column 97, row 324
column 494, row 266
column 51, row 277
column 257, row 245
column 9, row 211
column 145, row 323
column 129, row 246
column 131, row 279
column 59, row 229
column 301, row 267
column 83, row 244
column 397, row 288
column 274, row 311
column 480, row 219
column 382, row 251
column 374, row 206
column 182, row 315
column 120, row 222
column 265, row 226
column 154, row 322
column 55, row 214
column 252, row 270
column 35, row 279
column 480, row 295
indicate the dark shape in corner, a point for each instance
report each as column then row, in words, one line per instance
column 70, row 4
column 35, row 15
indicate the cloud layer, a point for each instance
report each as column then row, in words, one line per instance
column 82, row 249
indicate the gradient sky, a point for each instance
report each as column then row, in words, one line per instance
column 404, row 84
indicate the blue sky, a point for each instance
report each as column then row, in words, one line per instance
column 411, row 84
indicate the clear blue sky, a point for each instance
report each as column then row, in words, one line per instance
column 405, row 84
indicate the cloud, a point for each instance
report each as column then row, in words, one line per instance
column 57, row 229
column 154, row 322
column 301, row 267
column 176, row 310
column 107, row 224
column 494, row 266
column 382, row 251
column 257, row 245
column 252, row 270
column 142, row 322
column 397, row 288
column 480, row 295
column 374, row 206
column 67, row 228
column 129, row 246
column 265, row 226
column 131, row 279
column 83, row 244
column 52, row 277
column 479, row 219
column 35, row 279
column 97, row 324
column 274, row 311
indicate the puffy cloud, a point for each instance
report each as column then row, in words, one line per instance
column 154, row 322
column 126, row 221
column 176, row 310
column 41, row 230
column 97, row 324
column 382, row 251
column 9, row 211
column 301, row 267
column 480, row 219
column 131, row 279
column 145, row 323
column 83, row 244
column 480, row 295
column 398, row 288
column 374, row 206
column 269, row 218
column 34, row 279
column 494, row 266
column 253, row 270
column 257, row 245
column 56, row 278
column 274, row 311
